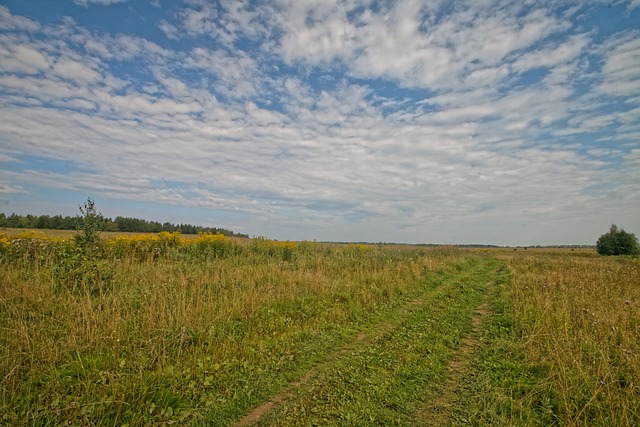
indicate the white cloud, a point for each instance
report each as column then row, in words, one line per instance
column 8, row 21
column 10, row 189
column 406, row 44
column 198, row 21
column 22, row 59
column 262, row 117
column 86, row 3
column 621, row 70
column 226, row 20
column 235, row 74
column 552, row 56
column 325, row 147
column 169, row 30
column 75, row 71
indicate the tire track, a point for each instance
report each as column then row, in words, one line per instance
column 373, row 334
column 439, row 411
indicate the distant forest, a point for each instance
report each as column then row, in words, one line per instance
column 134, row 225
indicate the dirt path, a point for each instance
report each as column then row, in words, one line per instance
column 262, row 410
column 363, row 338
column 439, row 411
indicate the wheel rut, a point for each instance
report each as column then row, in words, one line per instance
column 435, row 412
column 439, row 411
column 373, row 333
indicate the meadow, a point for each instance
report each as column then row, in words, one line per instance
column 210, row 330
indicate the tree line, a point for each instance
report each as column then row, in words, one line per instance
column 123, row 224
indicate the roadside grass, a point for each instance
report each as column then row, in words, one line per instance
column 562, row 347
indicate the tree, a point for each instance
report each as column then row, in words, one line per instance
column 89, row 224
column 617, row 242
column 43, row 222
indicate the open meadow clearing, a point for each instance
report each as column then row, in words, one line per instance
column 164, row 330
column 491, row 148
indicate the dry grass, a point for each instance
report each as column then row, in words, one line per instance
column 579, row 318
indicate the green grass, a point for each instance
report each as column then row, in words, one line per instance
column 561, row 348
column 387, row 381
column 181, row 338
column 202, row 332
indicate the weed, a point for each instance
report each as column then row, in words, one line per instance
column 562, row 348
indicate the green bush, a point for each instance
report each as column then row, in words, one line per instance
column 617, row 242
column 76, row 274
column 80, row 267
column 88, row 237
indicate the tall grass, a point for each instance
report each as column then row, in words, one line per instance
column 184, row 328
column 579, row 319
column 160, row 329
column 562, row 346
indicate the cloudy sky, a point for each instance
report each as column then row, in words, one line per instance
column 508, row 122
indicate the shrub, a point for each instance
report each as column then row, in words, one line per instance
column 5, row 244
column 88, row 239
column 617, row 242
column 79, row 267
column 72, row 273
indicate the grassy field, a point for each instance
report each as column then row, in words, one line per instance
column 563, row 347
column 164, row 330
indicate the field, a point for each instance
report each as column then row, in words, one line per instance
column 208, row 330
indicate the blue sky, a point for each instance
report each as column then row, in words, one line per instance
column 481, row 121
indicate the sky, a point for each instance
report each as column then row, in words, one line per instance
column 508, row 122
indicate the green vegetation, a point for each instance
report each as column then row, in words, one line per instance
column 90, row 224
column 561, row 347
column 160, row 329
column 388, row 376
column 118, row 224
column 617, row 242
